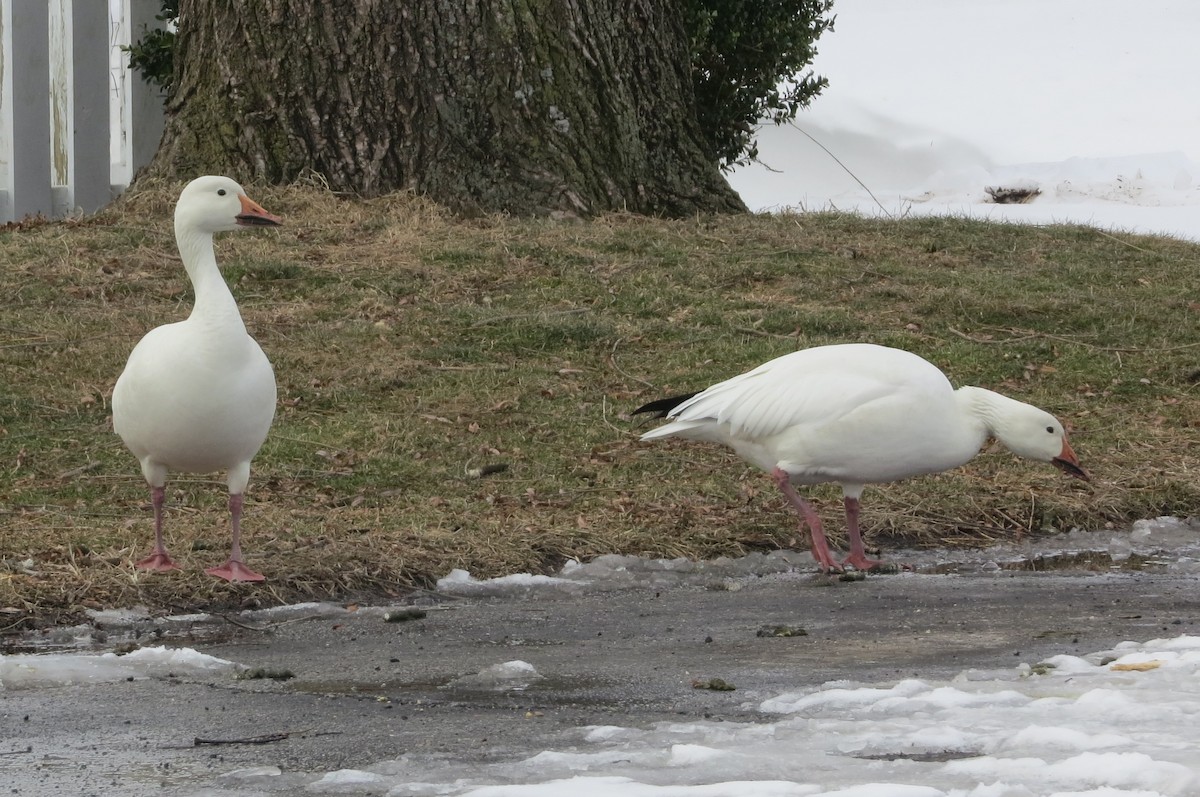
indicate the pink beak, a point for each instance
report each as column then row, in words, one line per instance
column 1068, row 463
column 253, row 215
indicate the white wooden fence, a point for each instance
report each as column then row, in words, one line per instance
column 75, row 121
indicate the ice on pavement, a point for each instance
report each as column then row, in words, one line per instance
column 461, row 582
column 349, row 781
column 1114, row 723
column 510, row 676
column 28, row 671
column 613, row 571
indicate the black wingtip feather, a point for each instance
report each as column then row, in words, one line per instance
column 662, row 407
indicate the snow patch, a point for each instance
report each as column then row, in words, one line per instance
column 513, row 675
column 30, row 671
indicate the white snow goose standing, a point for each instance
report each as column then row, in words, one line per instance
column 856, row 414
column 199, row 395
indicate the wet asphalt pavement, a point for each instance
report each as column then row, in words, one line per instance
column 365, row 690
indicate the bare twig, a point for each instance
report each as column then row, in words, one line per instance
column 82, row 469
column 1126, row 243
column 11, row 626
column 751, row 331
column 853, row 176
column 269, row 629
column 986, row 341
column 229, row 619
column 604, row 416
column 266, row 738
column 612, row 359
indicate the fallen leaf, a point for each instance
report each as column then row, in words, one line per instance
column 1137, row 666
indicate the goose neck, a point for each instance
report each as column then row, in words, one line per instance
column 213, row 300
column 983, row 409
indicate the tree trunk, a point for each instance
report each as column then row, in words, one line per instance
column 520, row 106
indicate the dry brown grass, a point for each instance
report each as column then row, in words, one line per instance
column 411, row 347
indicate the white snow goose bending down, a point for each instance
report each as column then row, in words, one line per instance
column 856, row 414
column 199, row 395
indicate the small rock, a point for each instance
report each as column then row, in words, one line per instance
column 781, row 631
column 713, row 684
column 265, row 673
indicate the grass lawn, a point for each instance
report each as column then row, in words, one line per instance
column 413, row 350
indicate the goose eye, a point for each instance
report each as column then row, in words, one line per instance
column 1050, row 429
column 220, row 192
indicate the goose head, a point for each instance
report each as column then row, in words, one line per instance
column 216, row 204
column 1034, row 433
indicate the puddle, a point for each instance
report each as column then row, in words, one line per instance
column 1082, row 561
column 1158, row 545
column 929, row 757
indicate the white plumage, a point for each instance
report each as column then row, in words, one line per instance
column 199, row 395
column 856, row 414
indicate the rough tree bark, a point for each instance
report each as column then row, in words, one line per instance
column 520, row 106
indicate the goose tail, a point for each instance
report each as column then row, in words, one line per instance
column 662, row 407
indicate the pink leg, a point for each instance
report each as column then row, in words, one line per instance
column 820, row 546
column 858, row 551
column 158, row 559
column 234, row 568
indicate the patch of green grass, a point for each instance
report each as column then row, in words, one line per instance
column 412, row 350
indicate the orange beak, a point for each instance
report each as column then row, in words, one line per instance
column 1068, row 463
column 253, row 214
